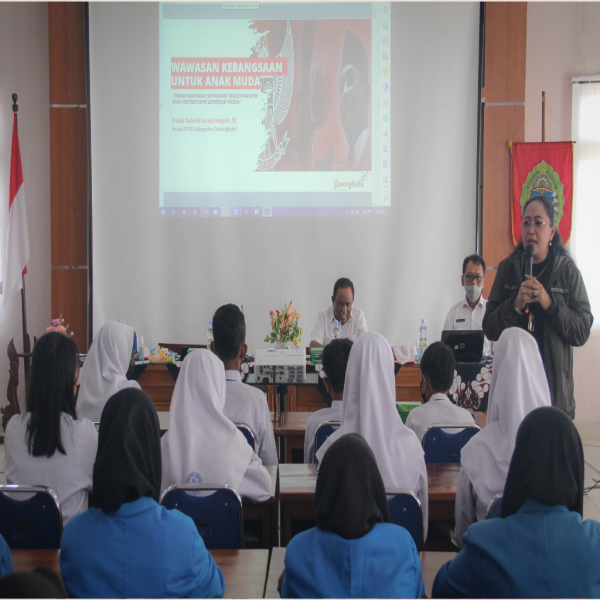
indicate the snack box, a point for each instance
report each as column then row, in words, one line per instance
column 160, row 355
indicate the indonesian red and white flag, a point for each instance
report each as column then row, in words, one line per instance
column 17, row 246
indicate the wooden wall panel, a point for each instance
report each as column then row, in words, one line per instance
column 68, row 186
column 505, row 61
column 505, row 49
column 68, row 165
column 66, row 46
column 69, row 298
column 501, row 122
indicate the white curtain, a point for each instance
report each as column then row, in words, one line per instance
column 585, row 242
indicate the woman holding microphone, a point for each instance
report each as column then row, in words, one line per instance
column 551, row 303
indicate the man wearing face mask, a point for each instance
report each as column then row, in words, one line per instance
column 469, row 312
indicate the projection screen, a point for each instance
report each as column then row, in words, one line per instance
column 255, row 152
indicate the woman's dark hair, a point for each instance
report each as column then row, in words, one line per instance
column 51, row 392
column 557, row 242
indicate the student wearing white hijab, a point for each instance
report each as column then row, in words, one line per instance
column 369, row 408
column 202, row 444
column 519, row 385
column 104, row 369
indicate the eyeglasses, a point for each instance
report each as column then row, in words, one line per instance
column 471, row 278
column 537, row 224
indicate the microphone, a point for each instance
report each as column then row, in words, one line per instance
column 528, row 266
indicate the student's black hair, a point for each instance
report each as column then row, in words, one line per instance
column 335, row 361
column 343, row 282
column 438, row 364
column 55, row 363
column 229, row 331
column 476, row 259
column 557, row 243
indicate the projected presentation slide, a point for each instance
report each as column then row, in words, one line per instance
column 271, row 110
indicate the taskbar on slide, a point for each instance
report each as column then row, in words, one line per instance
column 275, row 211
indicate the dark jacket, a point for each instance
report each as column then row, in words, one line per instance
column 567, row 322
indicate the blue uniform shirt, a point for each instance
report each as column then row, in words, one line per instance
column 384, row 563
column 540, row 552
column 142, row 550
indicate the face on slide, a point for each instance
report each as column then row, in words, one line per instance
column 353, row 104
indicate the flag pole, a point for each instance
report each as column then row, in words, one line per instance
column 543, row 116
column 26, row 346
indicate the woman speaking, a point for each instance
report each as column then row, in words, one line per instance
column 551, row 303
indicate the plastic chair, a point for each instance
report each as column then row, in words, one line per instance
column 32, row 523
column 443, row 447
column 218, row 515
column 405, row 510
column 248, row 434
column 324, row 430
column 494, row 507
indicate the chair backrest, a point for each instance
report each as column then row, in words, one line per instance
column 324, row 430
column 494, row 506
column 405, row 510
column 33, row 522
column 218, row 515
column 440, row 446
column 248, row 434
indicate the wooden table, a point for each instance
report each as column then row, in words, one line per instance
column 291, row 426
column 158, row 383
column 266, row 513
column 245, row 571
column 430, row 563
column 297, row 485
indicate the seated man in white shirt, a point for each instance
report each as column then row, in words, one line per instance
column 335, row 361
column 351, row 318
column 243, row 403
column 469, row 312
column 437, row 375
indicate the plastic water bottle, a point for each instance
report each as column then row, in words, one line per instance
column 337, row 329
column 421, row 341
column 141, row 348
column 209, row 333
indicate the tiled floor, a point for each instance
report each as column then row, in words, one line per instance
column 590, row 436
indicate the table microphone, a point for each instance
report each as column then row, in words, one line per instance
column 528, row 266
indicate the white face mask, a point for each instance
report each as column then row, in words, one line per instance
column 473, row 292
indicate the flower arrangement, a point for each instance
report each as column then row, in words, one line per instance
column 284, row 326
column 58, row 325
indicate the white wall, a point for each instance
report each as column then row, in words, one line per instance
column 24, row 70
column 563, row 41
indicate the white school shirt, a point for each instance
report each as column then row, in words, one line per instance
column 460, row 316
column 468, row 508
column 247, row 404
column 69, row 475
column 439, row 409
column 351, row 329
column 332, row 413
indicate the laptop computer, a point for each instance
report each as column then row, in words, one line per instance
column 467, row 345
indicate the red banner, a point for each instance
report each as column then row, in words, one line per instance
column 545, row 169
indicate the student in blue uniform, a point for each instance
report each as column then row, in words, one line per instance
column 6, row 565
column 131, row 547
column 354, row 552
column 540, row 547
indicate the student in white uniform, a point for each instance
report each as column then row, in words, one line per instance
column 369, row 408
column 202, row 444
column 104, row 371
column 519, row 385
column 335, row 361
column 351, row 318
column 243, row 403
column 47, row 445
column 437, row 375
column 468, row 313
